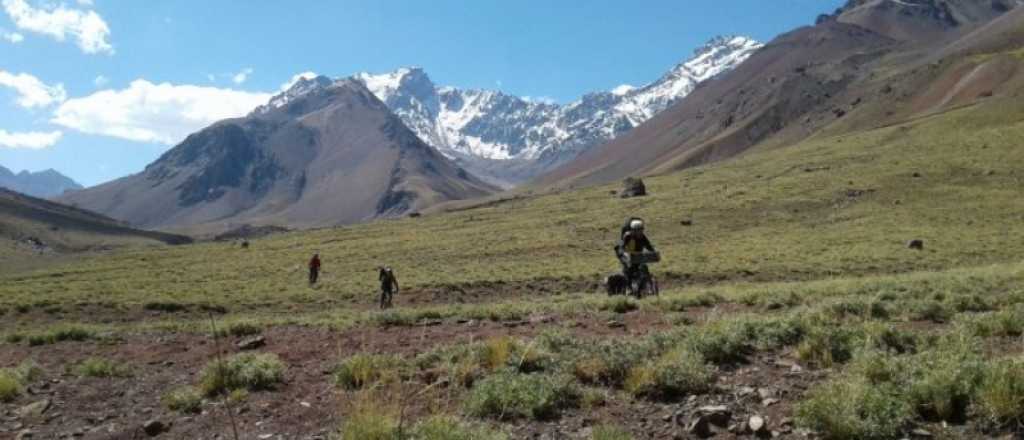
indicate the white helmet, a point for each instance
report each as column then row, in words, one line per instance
column 636, row 225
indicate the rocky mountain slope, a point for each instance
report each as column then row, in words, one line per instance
column 35, row 225
column 873, row 63
column 322, row 153
column 509, row 139
column 48, row 183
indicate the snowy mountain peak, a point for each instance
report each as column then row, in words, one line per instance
column 479, row 127
column 301, row 87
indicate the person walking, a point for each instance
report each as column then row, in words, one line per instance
column 314, row 269
column 388, row 286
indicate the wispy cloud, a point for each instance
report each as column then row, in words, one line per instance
column 32, row 140
column 160, row 113
column 100, row 81
column 86, row 27
column 32, row 93
column 11, row 37
column 242, row 76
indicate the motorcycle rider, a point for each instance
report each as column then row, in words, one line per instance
column 633, row 242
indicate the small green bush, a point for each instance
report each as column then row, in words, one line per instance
column 508, row 395
column 370, row 420
column 722, row 342
column 619, row 305
column 677, row 373
column 610, row 432
column 825, row 346
column 452, row 428
column 13, row 380
column 59, row 334
column 1001, row 393
column 251, row 371
column 10, row 386
column 853, row 409
column 183, row 400
column 934, row 311
column 240, row 328
column 943, row 382
column 99, row 367
column 362, row 370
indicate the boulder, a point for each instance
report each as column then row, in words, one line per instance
column 633, row 187
column 916, row 244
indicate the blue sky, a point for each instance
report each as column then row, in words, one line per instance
column 97, row 89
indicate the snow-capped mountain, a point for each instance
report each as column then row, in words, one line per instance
column 509, row 139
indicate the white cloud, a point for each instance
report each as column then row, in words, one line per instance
column 162, row 113
column 101, row 81
column 84, row 2
column 86, row 27
column 12, row 37
column 31, row 91
column 296, row 78
column 32, row 140
column 240, row 77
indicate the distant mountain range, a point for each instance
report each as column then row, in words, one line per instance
column 48, row 183
column 508, row 139
column 323, row 153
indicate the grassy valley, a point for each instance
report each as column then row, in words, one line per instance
column 787, row 282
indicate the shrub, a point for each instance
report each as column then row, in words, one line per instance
column 942, row 383
column 609, row 363
column 824, row 346
column 722, row 342
column 240, row 328
column 508, row 395
column 1009, row 322
column 10, row 386
column 252, row 371
column 361, row 370
column 495, row 352
column 1001, row 394
column 99, row 367
column 934, row 311
column 451, row 428
column 970, row 303
column 13, row 380
column 183, row 400
column 677, row 373
column 370, row 420
column 610, row 432
column 59, row 334
column 619, row 305
column 851, row 408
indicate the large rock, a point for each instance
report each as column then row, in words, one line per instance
column 34, row 410
column 154, row 428
column 633, row 187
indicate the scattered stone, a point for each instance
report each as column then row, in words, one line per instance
column 916, row 244
column 305, row 404
column 34, row 410
column 746, row 391
column 415, row 215
column 432, row 323
column 757, row 425
column 796, row 369
column 686, row 222
column 154, row 428
column 265, row 436
column 916, row 174
column 252, row 343
column 513, row 324
column 616, row 324
column 633, row 187
column 700, row 428
column 25, row 434
column 765, row 393
column 921, row 432
column 769, row 401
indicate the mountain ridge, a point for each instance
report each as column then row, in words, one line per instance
column 44, row 184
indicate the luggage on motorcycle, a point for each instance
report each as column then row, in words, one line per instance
column 643, row 258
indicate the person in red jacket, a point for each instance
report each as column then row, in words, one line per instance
column 314, row 269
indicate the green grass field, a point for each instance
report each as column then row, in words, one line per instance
column 796, row 253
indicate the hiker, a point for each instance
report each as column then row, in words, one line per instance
column 633, row 241
column 388, row 286
column 314, row 269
